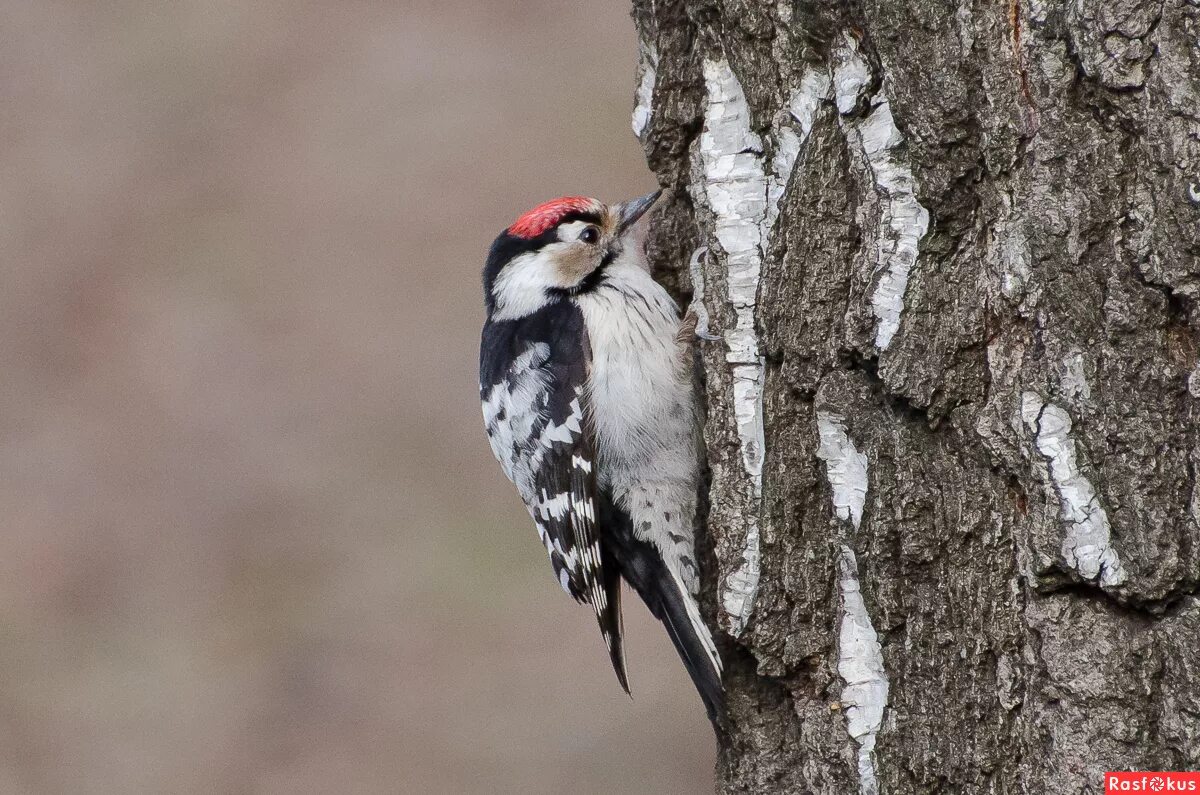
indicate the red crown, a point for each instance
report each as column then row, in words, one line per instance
column 544, row 216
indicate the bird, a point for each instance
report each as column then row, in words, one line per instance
column 586, row 380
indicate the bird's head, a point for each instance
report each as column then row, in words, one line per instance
column 559, row 249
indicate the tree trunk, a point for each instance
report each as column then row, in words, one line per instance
column 954, row 407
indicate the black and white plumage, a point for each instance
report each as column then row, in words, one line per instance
column 586, row 385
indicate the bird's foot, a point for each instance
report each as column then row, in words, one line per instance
column 696, row 317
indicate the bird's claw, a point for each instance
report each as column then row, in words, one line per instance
column 696, row 312
column 700, row 322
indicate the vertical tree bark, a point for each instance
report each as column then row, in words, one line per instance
column 954, row 413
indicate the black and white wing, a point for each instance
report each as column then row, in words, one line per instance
column 532, row 386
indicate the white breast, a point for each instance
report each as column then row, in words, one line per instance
column 639, row 390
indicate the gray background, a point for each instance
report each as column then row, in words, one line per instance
column 254, row 539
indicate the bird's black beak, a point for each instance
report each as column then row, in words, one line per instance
column 634, row 209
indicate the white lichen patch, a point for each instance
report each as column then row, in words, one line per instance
column 1087, row 546
column 1073, row 377
column 815, row 87
column 851, row 74
column 860, row 658
column 787, row 147
column 860, row 665
column 644, row 106
column 1009, row 251
column 735, row 186
column 791, row 132
column 741, row 586
column 735, row 190
column 1007, row 682
column 903, row 221
column 742, row 191
column 845, row 467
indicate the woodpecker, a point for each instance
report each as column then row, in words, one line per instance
column 586, row 381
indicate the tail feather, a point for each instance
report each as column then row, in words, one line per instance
column 672, row 604
column 610, row 619
column 693, row 640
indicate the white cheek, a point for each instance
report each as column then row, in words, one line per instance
column 520, row 289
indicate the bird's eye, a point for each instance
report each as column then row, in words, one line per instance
column 590, row 235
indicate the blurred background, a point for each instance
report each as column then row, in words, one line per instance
column 253, row 537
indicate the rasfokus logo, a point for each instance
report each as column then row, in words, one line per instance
column 1138, row 781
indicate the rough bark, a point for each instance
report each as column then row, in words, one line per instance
column 954, row 413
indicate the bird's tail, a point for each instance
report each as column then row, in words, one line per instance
column 671, row 603
column 609, row 617
column 681, row 616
